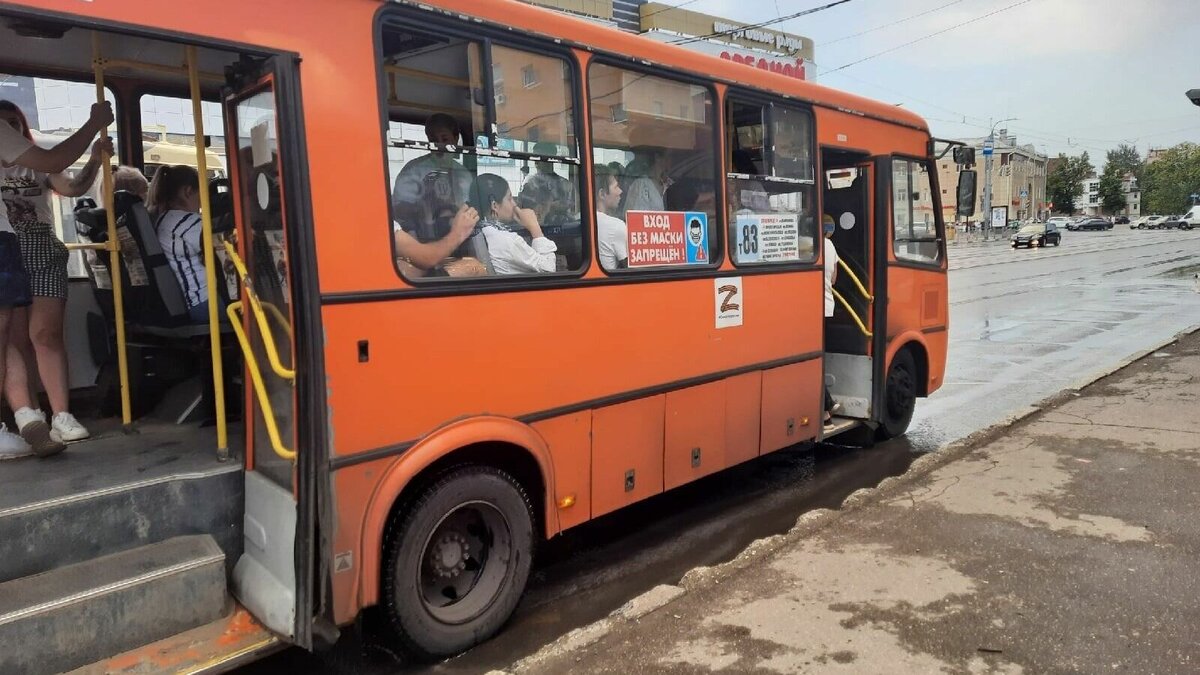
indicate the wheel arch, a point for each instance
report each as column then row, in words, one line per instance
column 914, row 342
column 500, row 442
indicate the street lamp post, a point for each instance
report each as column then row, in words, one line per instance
column 988, row 147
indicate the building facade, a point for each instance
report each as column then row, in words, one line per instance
column 753, row 46
column 1088, row 203
column 1018, row 179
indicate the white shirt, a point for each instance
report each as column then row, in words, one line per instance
column 27, row 195
column 511, row 255
column 831, row 265
column 12, row 146
column 181, row 236
column 612, row 240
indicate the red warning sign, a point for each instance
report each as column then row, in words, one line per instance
column 667, row 238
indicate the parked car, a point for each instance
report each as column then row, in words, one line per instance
column 1151, row 223
column 1037, row 235
column 1121, row 220
column 1169, row 223
column 1138, row 223
column 1092, row 224
column 1058, row 221
column 1191, row 219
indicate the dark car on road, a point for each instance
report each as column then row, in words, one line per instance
column 1121, row 220
column 1091, row 224
column 1036, row 235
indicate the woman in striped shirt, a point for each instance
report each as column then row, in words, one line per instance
column 175, row 207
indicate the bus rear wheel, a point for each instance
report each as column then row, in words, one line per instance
column 458, row 561
column 900, row 396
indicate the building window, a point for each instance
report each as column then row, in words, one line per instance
column 529, row 77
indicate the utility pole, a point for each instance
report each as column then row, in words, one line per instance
column 988, row 146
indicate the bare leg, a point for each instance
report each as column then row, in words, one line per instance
column 18, row 355
column 46, row 333
column 5, row 317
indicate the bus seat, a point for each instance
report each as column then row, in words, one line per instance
column 476, row 247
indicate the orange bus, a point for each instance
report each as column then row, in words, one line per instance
column 406, row 395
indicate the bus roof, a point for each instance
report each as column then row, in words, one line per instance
column 596, row 37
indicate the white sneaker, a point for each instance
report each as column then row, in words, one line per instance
column 64, row 428
column 12, row 446
column 32, row 425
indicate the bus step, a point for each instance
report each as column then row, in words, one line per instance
column 81, row 613
column 840, row 425
column 215, row 647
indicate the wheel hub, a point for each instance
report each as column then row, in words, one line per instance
column 448, row 556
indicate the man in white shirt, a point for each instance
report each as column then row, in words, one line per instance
column 16, row 149
column 433, row 182
column 612, row 236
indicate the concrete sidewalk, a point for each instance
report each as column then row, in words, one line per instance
column 1067, row 542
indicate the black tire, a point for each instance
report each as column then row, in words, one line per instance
column 457, row 561
column 899, row 396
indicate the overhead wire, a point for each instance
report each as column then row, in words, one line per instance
column 889, row 25
column 778, row 19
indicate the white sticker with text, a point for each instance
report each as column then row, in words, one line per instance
column 729, row 301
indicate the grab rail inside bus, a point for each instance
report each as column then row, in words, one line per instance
column 853, row 277
column 854, row 315
column 260, row 317
column 260, row 389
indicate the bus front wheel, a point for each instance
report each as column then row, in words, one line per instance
column 900, row 396
column 458, row 561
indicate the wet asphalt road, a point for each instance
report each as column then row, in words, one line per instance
column 1023, row 326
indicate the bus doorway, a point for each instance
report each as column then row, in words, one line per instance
column 176, row 535
column 847, row 187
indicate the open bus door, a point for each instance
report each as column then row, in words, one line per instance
column 272, row 578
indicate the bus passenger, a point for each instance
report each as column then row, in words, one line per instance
column 36, row 334
column 424, row 256
column 131, row 180
column 554, row 194
column 502, row 221
column 431, row 182
column 17, row 149
column 612, row 235
column 646, row 174
column 831, row 267
column 174, row 206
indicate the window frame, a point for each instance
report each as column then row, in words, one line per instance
column 939, row 221
column 768, row 103
column 717, row 247
column 400, row 18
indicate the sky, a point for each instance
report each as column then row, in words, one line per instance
column 1079, row 75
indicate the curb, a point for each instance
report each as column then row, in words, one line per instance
column 811, row 522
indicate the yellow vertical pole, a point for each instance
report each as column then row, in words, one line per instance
column 210, row 268
column 114, row 244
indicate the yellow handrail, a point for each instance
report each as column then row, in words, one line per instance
column 260, row 317
column 279, row 318
column 114, row 246
column 210, row 270
column 861, row 289
column 260, row 389
column 854, row 315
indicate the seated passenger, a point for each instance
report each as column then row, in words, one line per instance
column 418, row 258
column 554, row 194
column 131, row 180
column 646, row 184
column 502, row 222
column 431, row 182
column 174, row 206
column 612, row 236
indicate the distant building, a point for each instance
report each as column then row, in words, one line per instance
column 1018, row 179
column 1154, row 154
column 756, row 47
column 1088, row 202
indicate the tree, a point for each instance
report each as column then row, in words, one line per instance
column 1171, row 180
column 1112, row 197
column 1064, row 179
column 1125, row 159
